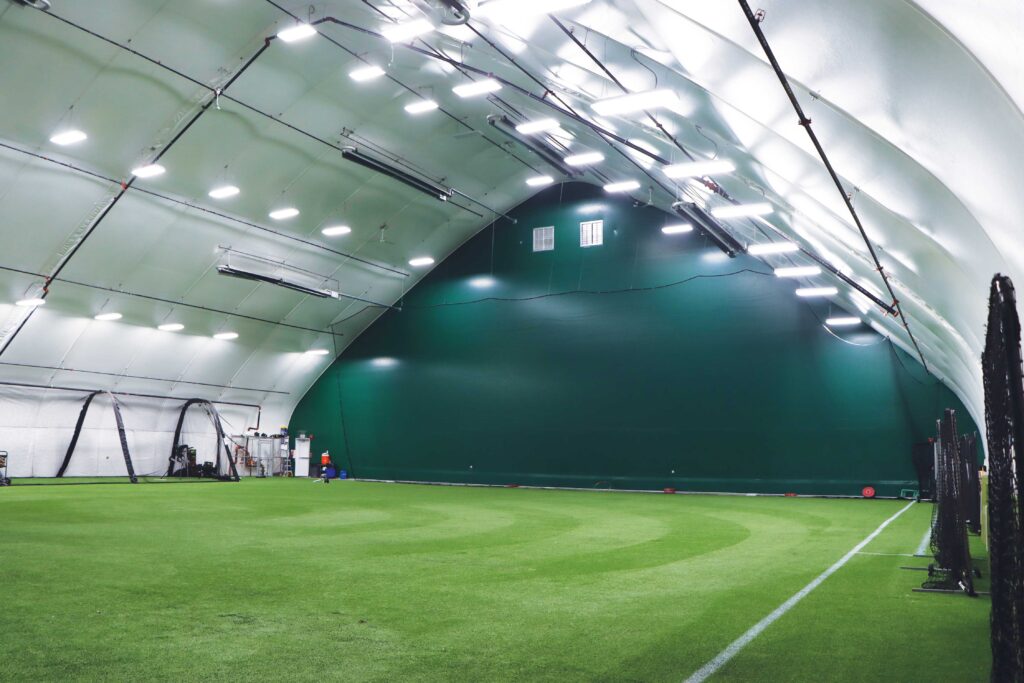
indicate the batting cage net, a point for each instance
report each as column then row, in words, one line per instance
column 1004, row 425
column 953, row 568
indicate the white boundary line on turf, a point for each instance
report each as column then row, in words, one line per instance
column 728, row 653
column 921, row 549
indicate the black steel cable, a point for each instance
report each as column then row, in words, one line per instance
column 143, row 377
column 197, row 207
column 806, row 124
column 171, row 302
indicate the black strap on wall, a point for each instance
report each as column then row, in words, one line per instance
column 122, row 436
column 215, row 418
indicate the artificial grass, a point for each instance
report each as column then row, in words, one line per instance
column 288, row 580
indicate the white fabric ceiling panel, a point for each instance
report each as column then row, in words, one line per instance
column 917, row 103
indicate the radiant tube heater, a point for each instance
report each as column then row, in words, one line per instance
column 243, row 274
column 545, row 152
column 722, row 239
column 380, row 166
column 257, row 268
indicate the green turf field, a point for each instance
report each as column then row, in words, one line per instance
column 287, row 580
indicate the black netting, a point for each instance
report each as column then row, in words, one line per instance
column 923, row 456
column 1004, row 426
column 972, row 483
column 953, row 568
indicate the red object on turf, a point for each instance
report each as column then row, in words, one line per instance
column 511, row 486
column 669, row 490
column 868, row 492
column 789, row 495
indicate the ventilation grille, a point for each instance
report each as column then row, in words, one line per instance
column 544, row 238
column 591, row 233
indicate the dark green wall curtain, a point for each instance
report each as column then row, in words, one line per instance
column 647, row 362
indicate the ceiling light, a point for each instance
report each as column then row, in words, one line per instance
column 696, row 169
column 335, row 230
column 226, row 336
column 398, row 33
column 171, row 327
column 523, row 8
column 108, row 316
column 297, row 32
column 148, row 171
column 68, row 137
column 482, row 282
column 539, row 126
column 540, row 180
column 31, row 303
column 798, row 271
column 624, row 186
column 772, row 248
column 421, row 261
column 421, row 106
column 817, row 291
column 224, row 192
column 384, row 362
column 584, row 159
column 317, row 352
column 625, row 104
column 281, row 214
column 842, row 321
column 677, row 229
column 477, row 88
column 366, row 73
column 742, row 210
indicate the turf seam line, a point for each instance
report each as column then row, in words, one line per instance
column 754, row 631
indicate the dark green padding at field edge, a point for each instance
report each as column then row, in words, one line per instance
column 706, row 373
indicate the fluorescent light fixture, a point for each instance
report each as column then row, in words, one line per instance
column 482, row 282
column 817, row 291
column 335, row 230
column 399, row 33
column 317, row 352
column 68, row 137
column 108, row 316
column 798, row 271
column 297, row 32
column 842, row 321
column 638, row 101
column 584, row 159
column 171, row 327
column 226, row 336
column 742, row 210
column 524, row 8
column 421, row 106
column 366, row 73
column 224, row 192
column 539, row 180
column 281, row 214
column 772, row 248
column 477, row 88
column 384, row 362
column 421, row 261
column 697, row 169
column 539, row 126
column 148, row 171
column 677, row 229
column 31, row 303
column 624, row 186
